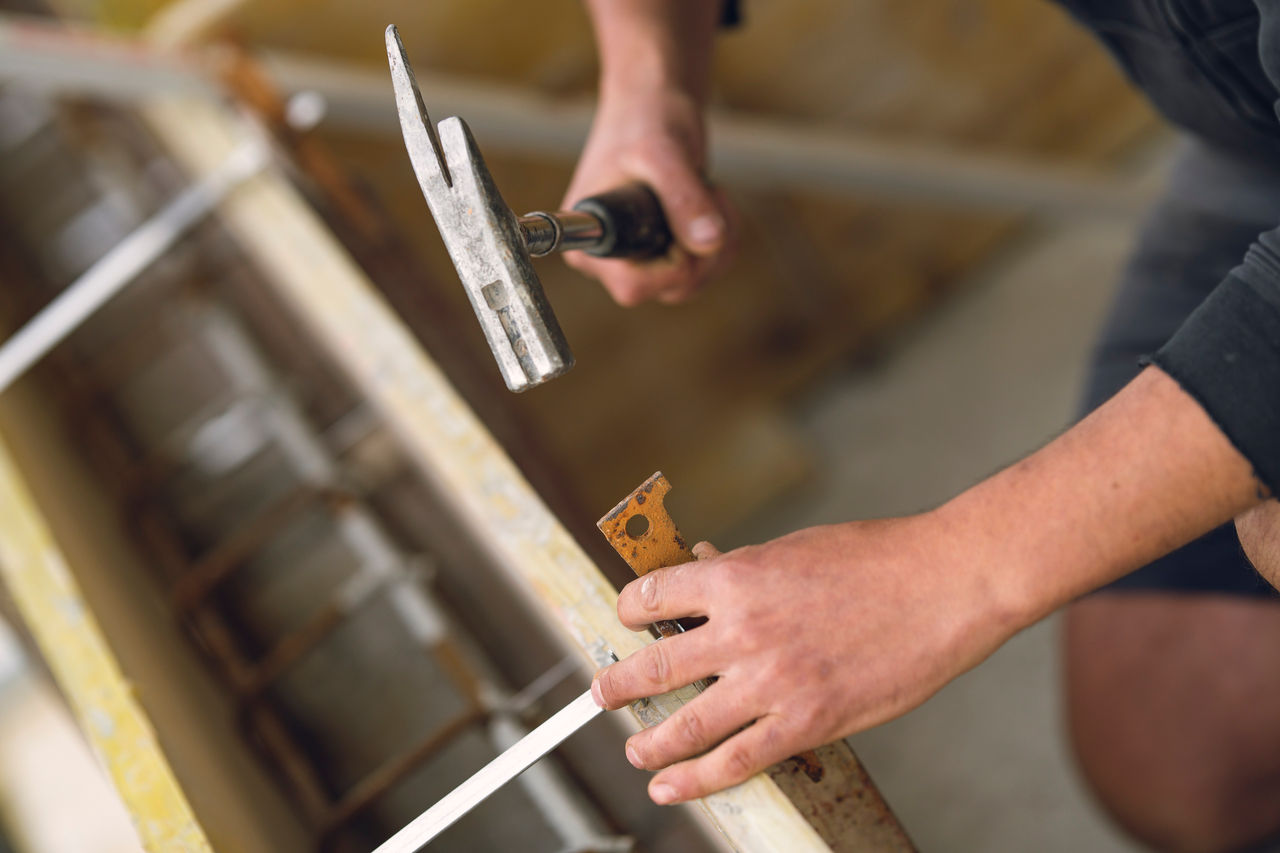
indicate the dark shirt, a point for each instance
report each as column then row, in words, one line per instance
column 1213, row 68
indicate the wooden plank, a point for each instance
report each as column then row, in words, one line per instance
column 828, row 784
column 317, row 280
column 232, row 796
column 36, row 573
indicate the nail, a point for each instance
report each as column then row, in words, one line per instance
column 662, row 794
column 705, row 230
column 649, row 592
column 634, row 758
column 596, row 693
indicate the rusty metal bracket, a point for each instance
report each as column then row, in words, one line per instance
column 645, row 535
column 828, row 785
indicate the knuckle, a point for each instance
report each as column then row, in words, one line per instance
column 693, row 731
column 743, row 635
column 629, row 287
column 739, row 764
column 810, row 717
column 718, row 571
column 577, row 262
column 771, row 739
column 657, row 664
column 627, row 295
column 734, row 634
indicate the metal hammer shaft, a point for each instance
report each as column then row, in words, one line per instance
column 561, row 231
column 626, row 222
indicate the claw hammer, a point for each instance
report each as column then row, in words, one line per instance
column 492, row 248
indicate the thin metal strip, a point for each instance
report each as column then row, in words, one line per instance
column 493, row 776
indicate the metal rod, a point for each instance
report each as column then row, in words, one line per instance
column 208, row 572
column 748, row 151
column 351, row 595
column 365, row 792
column 122, row 264
column 379, row 559
column 164, row 543
column 563, row 231
column 493, row 775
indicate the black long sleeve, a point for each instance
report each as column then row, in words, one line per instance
column 1227, row 356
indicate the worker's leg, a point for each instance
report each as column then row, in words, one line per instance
column 1174, row 712
column 1173, row 674
column 1259, row 533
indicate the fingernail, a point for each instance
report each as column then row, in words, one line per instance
column 634, row 757
column 705, row 230
column 596, row 693
column 662, row 794
column 649, row 591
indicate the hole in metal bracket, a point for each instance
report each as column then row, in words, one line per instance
column 637, row 526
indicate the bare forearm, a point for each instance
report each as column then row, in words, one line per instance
column 1146, row 473
column 651, row 44
column 834, row 629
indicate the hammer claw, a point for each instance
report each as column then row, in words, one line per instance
column 482, row 236
column 415, row 123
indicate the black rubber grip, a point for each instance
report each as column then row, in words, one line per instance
column 634, row 224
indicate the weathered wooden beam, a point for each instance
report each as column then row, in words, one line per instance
column 318, row 282
column 49, row 599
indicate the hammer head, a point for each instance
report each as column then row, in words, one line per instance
column 482, row 237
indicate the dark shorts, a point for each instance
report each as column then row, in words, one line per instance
column 1215, row 205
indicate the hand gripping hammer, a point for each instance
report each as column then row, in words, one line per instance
column 492, row 248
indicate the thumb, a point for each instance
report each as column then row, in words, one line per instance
column 705, row 551
column 691, row 207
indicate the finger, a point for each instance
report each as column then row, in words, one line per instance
column 743, row 755
column 695, row 274
column 689, row 203
column 657, row 668
column 702, row 269
column 706, row 551
column 732, row 225
column 670, row 593
column 631, row 283
column 701, row 724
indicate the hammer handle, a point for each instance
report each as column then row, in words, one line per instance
column 634, row 224
column 626, row 222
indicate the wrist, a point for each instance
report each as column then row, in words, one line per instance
column 1146, row 473
column 994, row 560
column 649, row 47
column 648, row 75
column 626, row 89
column 995, row 576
